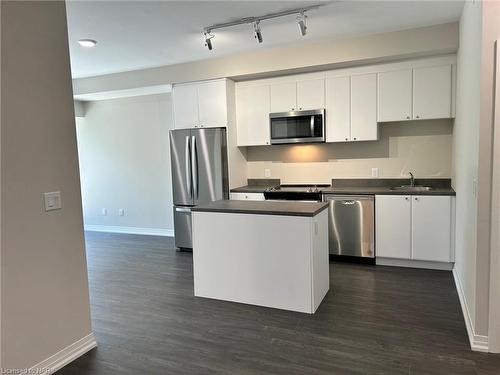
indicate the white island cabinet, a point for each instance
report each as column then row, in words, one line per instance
column 272, row 254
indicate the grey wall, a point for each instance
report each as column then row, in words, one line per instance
column 44, row 292
column 124, row 157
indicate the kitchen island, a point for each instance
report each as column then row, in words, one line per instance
column 272, row 254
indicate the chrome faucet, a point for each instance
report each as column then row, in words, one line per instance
column 412, row 179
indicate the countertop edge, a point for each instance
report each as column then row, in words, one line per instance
column 258, row 212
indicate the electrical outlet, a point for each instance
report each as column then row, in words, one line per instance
column 267, row 173
column 375, row 172
column 121, row 212
column 104, row 212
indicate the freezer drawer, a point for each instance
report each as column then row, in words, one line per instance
column 351, row 222
column 182, row 227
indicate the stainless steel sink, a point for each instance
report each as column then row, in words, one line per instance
column 412, row 188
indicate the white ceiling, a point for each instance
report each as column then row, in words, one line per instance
column 141, row 34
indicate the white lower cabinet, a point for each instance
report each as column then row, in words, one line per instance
column 417, row 228
column 392, row 226
column 431, row 228
column 246, row 196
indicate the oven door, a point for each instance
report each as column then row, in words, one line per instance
column 297, row 126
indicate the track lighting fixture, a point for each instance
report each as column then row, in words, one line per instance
column 208, row 39
column 257, row 31
column 301, row 21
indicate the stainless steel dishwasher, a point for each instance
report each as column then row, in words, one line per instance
column 351, row 220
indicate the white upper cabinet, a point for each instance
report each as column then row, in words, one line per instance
column 252, row 115
column 432, row 92
column 395, row 95
column 338, row 109
column 311, row 94
column 393, row 226
column 284, row 97
column 185, row 104
column 364, row 126
column 200, row 104
column 212, row 103
column 431, row 228
column 298, row 95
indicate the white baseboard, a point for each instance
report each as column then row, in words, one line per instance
column 131, row 230
column 66, row 355
column 414, row 264
column 478, row 343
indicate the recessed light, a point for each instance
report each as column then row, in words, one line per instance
column 87, row 43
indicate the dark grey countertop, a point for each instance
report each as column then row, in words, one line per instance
column 291, row 208
column 257, row 185
column 251, row 189
column 385, row 191
column 382, row 186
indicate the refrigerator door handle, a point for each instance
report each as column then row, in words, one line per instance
column 194, row 166
column 188, row 167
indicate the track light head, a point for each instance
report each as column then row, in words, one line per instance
column 301, row 21
column 208, row 39
column 257, row 31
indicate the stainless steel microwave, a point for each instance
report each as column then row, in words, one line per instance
column 297, row 126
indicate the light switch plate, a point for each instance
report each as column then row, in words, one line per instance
column 267, row 173
column 52, row 200
column 374, row 172
column 121, row 212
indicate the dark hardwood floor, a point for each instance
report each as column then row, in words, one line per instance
column 374, row 320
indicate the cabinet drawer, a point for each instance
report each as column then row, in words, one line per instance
column 246, row 196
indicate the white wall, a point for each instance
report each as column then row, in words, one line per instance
column 44, row 292
column 422, row 147
column 473, row 150
column 466, row 149
column 123, row 146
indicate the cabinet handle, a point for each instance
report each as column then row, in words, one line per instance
column 300, row 108
column 267, row 143
column 346, row 139
column 406, row 198
column 407, row 117
column 416, row 198
column 355, row 138
column 293, row 109
column 417, row 116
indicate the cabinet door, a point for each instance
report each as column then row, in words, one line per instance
column 283, row 97
column 393, row 226
column 395, row 95
column 212, row 103
column 185, row 104
column 432, row 92
column 252, row 115
column 364, row 125
column 311, row 94
column 338, row 109
column 431, row 228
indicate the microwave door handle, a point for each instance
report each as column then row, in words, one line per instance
column 312, row 126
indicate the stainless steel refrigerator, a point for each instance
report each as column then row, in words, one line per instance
column 199, row 174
